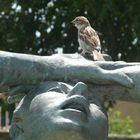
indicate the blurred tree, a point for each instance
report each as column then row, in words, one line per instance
column 39, row 27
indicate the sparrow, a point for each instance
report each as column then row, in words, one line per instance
column 88, row 38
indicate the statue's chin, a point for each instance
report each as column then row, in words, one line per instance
column 68, row 135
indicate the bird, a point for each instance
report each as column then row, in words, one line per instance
column 88, row 38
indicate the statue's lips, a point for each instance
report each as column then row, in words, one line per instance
column 76, row 103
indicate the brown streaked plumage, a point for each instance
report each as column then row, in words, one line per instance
column 88, row 38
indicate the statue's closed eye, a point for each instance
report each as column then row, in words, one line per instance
column 61, row 88
column 56, row 89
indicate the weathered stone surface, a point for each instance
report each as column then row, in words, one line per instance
column 63, row 95
column 5, row 136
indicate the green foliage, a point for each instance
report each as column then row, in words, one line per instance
column 40, row 26
column 117, row 125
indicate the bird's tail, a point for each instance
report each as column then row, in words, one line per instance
column 97, row 56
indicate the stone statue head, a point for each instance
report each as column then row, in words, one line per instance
column 58, row 111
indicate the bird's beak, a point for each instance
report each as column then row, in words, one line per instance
column 73, row 21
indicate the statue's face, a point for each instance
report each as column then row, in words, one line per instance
column 57, row 115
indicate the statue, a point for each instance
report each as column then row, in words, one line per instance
column 61, row 96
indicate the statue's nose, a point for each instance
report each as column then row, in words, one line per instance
column 79, row 89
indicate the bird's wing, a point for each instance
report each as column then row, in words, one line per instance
column 90, row 37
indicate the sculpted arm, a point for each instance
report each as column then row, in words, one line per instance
column 119, row 83
column 23, row 69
